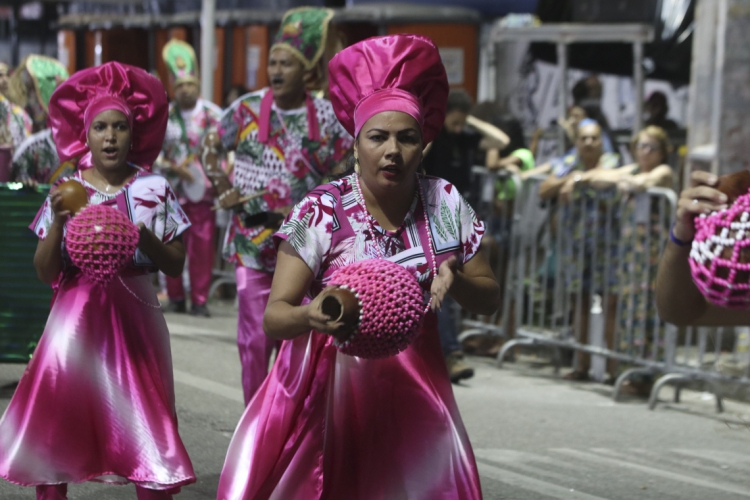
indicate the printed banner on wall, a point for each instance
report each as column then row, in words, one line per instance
column 453, row 60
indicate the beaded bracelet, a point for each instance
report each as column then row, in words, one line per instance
column 676, row 240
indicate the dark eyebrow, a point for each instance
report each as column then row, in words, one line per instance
column 114, row 124
column 381, row 131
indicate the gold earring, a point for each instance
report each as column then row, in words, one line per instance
column 357, row 168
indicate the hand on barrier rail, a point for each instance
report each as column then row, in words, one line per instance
column 574, row 180
column 702, row 197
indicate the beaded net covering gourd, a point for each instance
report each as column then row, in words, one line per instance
column 100, row 241
column 391, row 307
column 720, row 255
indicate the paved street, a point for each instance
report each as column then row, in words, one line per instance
column 535, row 436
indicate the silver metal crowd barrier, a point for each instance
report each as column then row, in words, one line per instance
column 580, row 276
column 493, row 199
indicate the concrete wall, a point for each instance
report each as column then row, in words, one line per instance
column 734, row 127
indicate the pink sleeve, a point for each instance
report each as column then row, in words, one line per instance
column 472, row 230
column 176, row 221
column 308, row 229
column 43, row 220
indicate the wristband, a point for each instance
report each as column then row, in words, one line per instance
column 676, row 240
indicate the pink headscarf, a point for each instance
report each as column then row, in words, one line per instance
column 106, row 103
column 390, row 73
column 82, row 97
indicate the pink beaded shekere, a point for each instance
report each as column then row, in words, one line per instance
column 100, row 241
column 391, row 307
column 717, row 259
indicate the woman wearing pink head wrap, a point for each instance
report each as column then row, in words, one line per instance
column 97, row 400
column 326, row 425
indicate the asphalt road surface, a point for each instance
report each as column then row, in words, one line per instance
column 535, row 436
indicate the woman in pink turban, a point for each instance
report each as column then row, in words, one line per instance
column 96, row 402
column 326, row 425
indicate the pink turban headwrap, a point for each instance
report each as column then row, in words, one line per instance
column 390, row 73
column 134, row 92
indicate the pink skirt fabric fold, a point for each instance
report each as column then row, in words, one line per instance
column 255, row 347
column 325, row 425
column 97, row 400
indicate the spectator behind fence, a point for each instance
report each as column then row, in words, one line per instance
column 515, row 157
column 651, row 149
column 657, row 108
column 451, row 156
column 642, row 233
column 572, row 174
column 579, row 167
column 587, row 95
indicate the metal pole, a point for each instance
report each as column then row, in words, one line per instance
column 98, row 48
column 718, row 79
column 562, row 70
column 151, row 50
column 13, row 25
column 208, row 36
column 496, row 63
column 638, row 86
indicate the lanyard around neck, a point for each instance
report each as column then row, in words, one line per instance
column 266, row 106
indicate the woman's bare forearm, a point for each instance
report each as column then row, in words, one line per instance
column 168, row 257
column 551, row 187
column 678, row 300
column 48, row 256
column 283, row 321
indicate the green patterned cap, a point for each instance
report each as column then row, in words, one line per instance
column 303, row 31
column 46, row 73
column 180, row 59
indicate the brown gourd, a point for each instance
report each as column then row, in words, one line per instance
column 74, row 196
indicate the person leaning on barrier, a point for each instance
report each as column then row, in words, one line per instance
column 514, row 158
column 572, row 173
column 642, row 226
column 577, row 169
column 651, row 148
column 450, row 156
column 678, row 300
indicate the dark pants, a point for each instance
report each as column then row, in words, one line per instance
column 448, row 327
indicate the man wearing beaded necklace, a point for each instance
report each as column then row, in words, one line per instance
column 285, row 142
column 190, row 120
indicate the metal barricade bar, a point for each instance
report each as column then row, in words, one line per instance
column 580, row 277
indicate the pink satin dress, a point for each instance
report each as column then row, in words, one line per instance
column 96, row 402
column 325, row 425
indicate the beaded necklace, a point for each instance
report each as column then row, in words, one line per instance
column 429, row 252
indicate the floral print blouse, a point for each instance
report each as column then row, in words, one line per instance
column 287, row 168
column 146, row 198
column 331, row 228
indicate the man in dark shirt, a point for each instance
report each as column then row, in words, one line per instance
column 451, row 156
column 657, row 108
column 454, row 151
